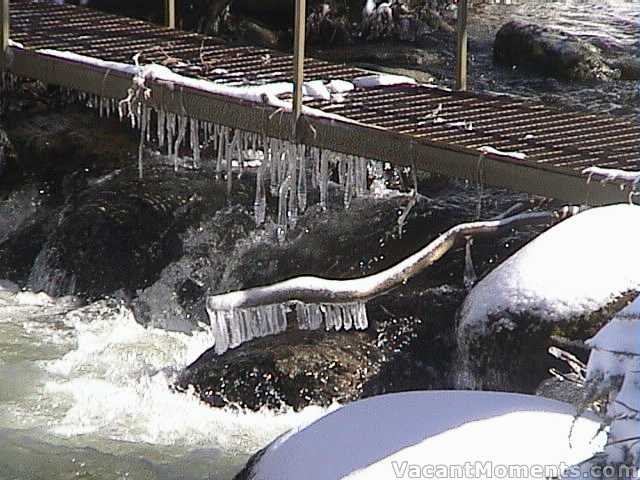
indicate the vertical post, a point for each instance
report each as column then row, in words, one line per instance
column 298, row 61
column 4, row 30
column 170, row 13
column 461, row 50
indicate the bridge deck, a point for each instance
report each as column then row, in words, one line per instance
column 392, row 123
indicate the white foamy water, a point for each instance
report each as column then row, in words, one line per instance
column 88, row 392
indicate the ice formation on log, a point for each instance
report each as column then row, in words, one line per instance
column 232, row 328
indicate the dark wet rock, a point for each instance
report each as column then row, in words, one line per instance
column 561, row 390
column 550, row 52
column 20, row 248
column 64, row 147
column 176, row 301
column 7, row 151
column 120, row 234
column 629, row 67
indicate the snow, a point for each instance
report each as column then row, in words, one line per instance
column 382, row 80
column 340, row 86
column 267, row 93
column 488, row 150
column 383, row 437
column 622, row 334
column 15, row 44
column 575, row 268
column 612, row 174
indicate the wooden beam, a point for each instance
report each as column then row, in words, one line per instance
column 300, row 22
column 4, row 30
column 461, row 49
column 170, row 13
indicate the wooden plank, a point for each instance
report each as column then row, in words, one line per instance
column 462, row 44
column 298, row 61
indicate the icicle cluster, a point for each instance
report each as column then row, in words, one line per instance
column 285, row 170
column 341, row 316
column 231, row 328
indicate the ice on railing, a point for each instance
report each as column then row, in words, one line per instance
column 298, row 175
column 232, row 328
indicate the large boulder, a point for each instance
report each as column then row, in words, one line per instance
column 445, row 434
column 119, row 234
column 567, row 282
column 550, row 52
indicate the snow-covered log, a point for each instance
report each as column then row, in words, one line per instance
column 409, row 435
column 568, row 281
column 240, row 316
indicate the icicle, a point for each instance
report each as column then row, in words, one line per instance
column 160, row 126
column 232, row 328
column 170, row 132
column 260, row 204
column 222, row 142
column 315, row 167
column 324, row 178
column 292, row 214
column 302, row 180
column 282, row 210
column 336, row 317
column 274, row 179
column 194, row 140
column 240, row 142
column 144, row 124
column 182, row 131
column 348, row 181
column 147, row 123
column 229, row 151
column 470, row 277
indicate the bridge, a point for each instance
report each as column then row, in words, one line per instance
column 535, row 148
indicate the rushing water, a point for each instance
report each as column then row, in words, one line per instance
column 86, row 395
column 613, row 25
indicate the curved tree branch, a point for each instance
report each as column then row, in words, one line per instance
column 310, row 289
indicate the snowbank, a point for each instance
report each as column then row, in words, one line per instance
column 389, row 436
column 572, row 278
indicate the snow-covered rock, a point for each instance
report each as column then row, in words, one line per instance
column 456, row 432
column 569, row 281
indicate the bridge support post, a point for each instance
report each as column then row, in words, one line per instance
column 461, row 50
column 300, row 22
column 170, row 13
column 4, row 31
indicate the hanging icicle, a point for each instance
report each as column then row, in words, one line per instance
column 232, row 328
column 260, row 204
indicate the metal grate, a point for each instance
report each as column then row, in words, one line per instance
column 552, row 139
